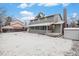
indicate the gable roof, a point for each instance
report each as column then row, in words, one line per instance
column 17, row 22
column 47, row 19
column 49, row 16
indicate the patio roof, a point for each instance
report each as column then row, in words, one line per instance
column 45, row 24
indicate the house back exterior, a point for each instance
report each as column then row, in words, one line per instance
column 49, row 24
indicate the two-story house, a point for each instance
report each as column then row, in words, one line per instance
column 50, row 25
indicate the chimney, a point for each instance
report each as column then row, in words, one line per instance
column 65, row 17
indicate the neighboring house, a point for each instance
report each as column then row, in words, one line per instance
column 15, row 25
column 50, row 25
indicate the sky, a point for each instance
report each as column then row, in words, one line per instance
column 27, row 11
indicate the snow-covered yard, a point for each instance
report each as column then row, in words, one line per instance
column 25, row 44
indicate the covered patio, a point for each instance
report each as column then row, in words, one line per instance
column 51, row 29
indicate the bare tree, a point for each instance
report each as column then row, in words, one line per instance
column 8, row 20
column 2, row 13
column 73, row 24
column 40, row 15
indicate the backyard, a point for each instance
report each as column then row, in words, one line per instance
column 30, row 44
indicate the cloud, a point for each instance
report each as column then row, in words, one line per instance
column 74, row 15
column 31, row 4
column 24, row 5
column 48, row 4
column 53, row 4
column 27, row 18
column 65, row 4
column 27, row 15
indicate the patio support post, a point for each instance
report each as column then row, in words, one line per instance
column 46, row 29
column 61, row 28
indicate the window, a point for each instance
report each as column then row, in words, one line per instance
column 39, row 28
column 44, row 27
column 32, row 27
